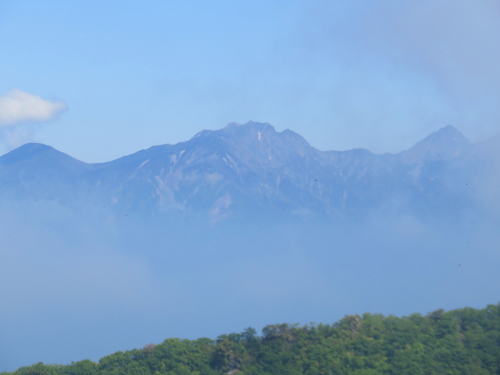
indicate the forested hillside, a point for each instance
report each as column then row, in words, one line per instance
column 463, row 341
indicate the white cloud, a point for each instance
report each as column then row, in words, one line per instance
column 20, row 107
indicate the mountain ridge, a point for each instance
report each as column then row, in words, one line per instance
column 41, row 146
column 241, row 167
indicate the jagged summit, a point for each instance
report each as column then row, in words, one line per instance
column 264, row 133
column 248, row 129
column 234, row 128
column 249, row 124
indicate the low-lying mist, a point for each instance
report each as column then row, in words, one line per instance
column 85, row 283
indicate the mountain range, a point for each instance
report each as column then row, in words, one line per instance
column 248, row 169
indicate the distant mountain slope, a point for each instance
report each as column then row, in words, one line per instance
column 36, row 171
column 445, row 144
column 249, row 168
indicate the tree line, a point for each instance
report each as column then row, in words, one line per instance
column 462, row 341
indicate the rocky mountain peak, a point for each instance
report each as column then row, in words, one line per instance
column 249, row 129
column 445, row 144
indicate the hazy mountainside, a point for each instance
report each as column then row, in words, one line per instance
column 462, row 341
column 248, row 168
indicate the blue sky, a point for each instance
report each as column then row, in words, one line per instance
column 128, row 75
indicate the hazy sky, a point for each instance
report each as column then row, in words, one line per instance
column 125, row 75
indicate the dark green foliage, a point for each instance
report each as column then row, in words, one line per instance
column 465, row 341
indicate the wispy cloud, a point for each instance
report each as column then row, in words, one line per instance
column 405, row 68
column 21, row 113
column 18, row 107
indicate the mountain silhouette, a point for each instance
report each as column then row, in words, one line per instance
column 249, row 168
